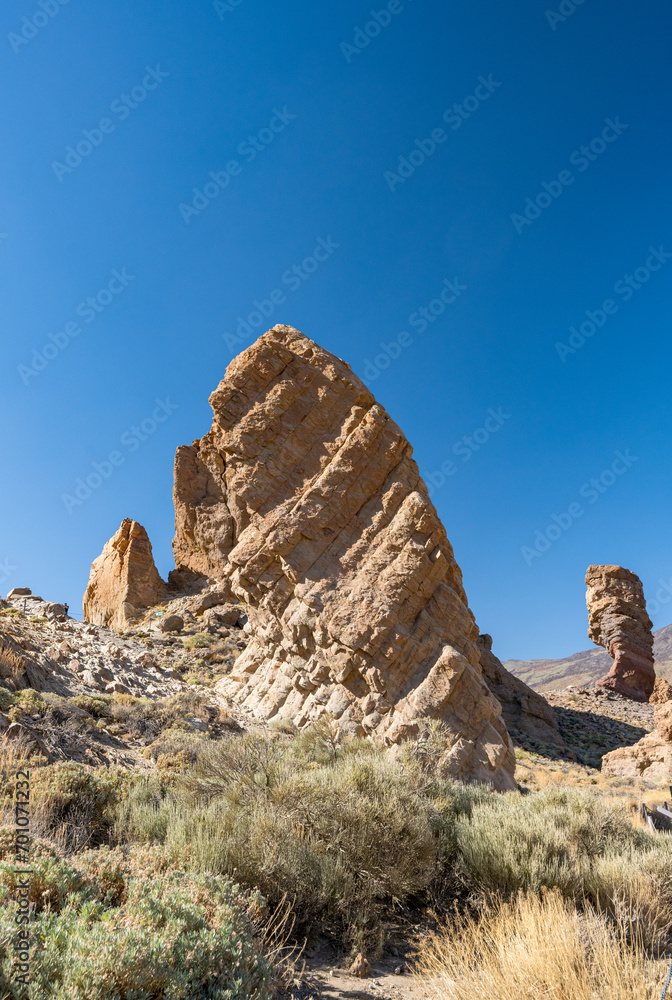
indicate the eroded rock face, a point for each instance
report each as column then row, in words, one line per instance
column 651, row 758
column 305, row 501
column 524, row 710
column 124, row 580
column 618, row 621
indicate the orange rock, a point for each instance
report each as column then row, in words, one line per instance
column 124, row 580
column 618, row 621
column 304, row 496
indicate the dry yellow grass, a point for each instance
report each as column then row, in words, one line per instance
column 534, row 948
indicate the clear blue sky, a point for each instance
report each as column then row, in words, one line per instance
column 309, row 124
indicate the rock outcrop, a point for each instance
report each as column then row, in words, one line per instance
column 662, row 692
column 303, row 501
column 618, row 621
column 651, row 758
column 124, row 580
column 525, row 712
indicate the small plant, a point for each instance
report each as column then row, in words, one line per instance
column 198, row 641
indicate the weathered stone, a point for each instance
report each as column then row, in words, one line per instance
column 170, row 623
column 524, row 710
column 360, row 967
column 662, row 692
column 52, row 610
column 651, row 757
column 19, row 592
column 305, row 500
column 124, row 580
column 618, row 621
column 209, row 599
column 225, row 615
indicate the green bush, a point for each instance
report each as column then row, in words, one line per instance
column 349, row 834
column 338, row 829
column 198, row 641
column 108, row 934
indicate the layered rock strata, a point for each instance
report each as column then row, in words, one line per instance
column 618, row 621
column 525, row 712
column 304, row 502
column 124, row 580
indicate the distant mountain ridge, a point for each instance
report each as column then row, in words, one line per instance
column 587, row 666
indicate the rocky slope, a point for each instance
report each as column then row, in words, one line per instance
column 98, row 696
column 303, row 501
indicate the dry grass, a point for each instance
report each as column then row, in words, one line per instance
column 536, row 948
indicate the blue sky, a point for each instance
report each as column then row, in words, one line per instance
column 411, row 141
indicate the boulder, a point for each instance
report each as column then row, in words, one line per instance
column 19, row 592
column 170, row 623
column 209, row 599
column 224, row 615
column 618, row 621
column 650, row 758
column 524, row 710
column 124, row 580
column 662, row 692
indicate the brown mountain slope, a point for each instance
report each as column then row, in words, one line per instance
column 585, row 667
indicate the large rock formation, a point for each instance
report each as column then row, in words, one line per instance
column 651, row 758
column 525, row 712
column 618, row 621
column 304, row 502
column 124, row 579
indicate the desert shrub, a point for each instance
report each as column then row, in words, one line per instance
column 114, row 930
column 11, row 664
column 75, row 804
column 551, row 838
column 98, row 707
column 6, row 699
column 30, row 701
column 198, row 641
column 349, row 834
column 337, row 829
column 537, row 947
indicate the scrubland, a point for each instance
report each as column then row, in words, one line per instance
column 163, row 884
